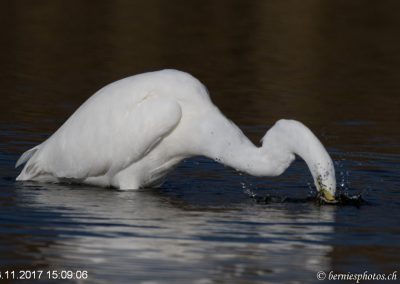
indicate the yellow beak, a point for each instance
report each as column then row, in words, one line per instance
column 328, row 196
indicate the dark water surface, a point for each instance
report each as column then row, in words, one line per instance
column 333, row 65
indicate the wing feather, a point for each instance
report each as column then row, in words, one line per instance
column 103, row 138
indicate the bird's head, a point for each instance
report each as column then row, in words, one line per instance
column 325, row 182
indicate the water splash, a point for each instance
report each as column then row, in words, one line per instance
column 343, row 197
column 343, row 177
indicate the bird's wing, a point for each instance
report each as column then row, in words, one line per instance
column 100, row 140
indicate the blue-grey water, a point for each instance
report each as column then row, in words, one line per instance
column 334, row 65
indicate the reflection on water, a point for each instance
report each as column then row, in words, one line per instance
column 331, row 64
column 104, row 230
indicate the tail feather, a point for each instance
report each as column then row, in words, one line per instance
column 26, row 156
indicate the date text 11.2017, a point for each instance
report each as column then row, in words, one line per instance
column 43, row 274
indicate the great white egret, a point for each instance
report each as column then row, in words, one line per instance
column 132, row 132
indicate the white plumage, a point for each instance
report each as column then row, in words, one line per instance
column 132, row 132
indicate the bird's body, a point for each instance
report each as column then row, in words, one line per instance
column 132, row 132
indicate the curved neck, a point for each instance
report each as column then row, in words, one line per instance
column 222, row 141
column 295, row 137
column 229, row 146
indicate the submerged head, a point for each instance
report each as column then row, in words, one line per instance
column 326, row 183
column 318, row 161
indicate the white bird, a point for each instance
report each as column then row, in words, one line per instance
column 132, row 132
